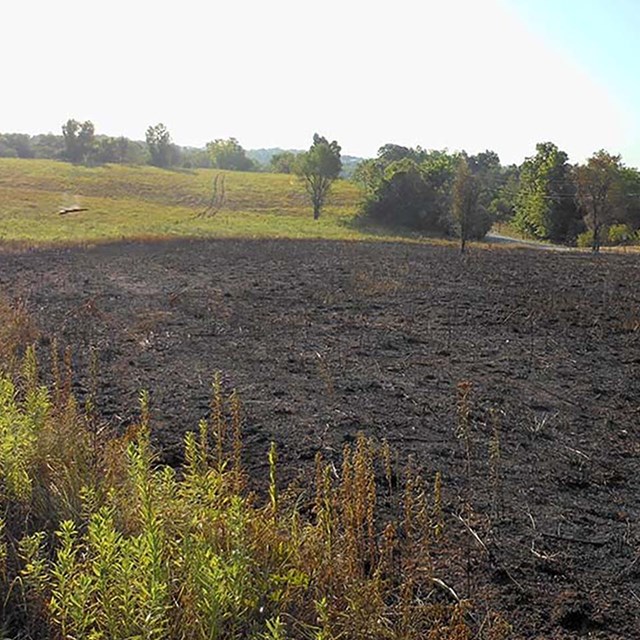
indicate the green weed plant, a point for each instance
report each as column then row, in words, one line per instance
column 98, row 540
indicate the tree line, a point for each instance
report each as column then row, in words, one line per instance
column 429, row 191
column 79, row 143
column 546, row 197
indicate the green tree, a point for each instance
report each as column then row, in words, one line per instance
column 7, row 150
column 79, row 140
column 283, row 162
column 18, row 145
column 403, row 197
column 160, row 147
column 112, row 150
column 369, row 174
column 389, row 153
column 412, row 190
column 631, row 193
column 195, row 158
column 229, row 154
column 545, row 204
column 48, row 145
column 318, row 169
column 600, row 194
column 503, row 205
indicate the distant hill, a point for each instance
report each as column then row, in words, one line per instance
column 263, row 157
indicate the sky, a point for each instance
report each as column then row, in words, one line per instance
column 455, row 74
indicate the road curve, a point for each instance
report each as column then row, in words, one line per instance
column 498, row 238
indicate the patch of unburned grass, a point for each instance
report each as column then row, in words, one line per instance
column 129, row 202
column 139, row 202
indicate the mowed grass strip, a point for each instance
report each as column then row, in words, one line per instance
column 142, row 202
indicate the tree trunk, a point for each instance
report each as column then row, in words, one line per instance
column 316, row 211
column 595, row 245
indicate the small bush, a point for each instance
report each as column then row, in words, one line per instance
column 620, row 234
column 585, row 240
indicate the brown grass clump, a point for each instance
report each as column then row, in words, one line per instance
column 17, row 330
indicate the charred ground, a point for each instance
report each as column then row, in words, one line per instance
column 323, row 340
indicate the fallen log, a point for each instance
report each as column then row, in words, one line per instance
column 66, row 210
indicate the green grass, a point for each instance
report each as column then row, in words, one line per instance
column 146, row 202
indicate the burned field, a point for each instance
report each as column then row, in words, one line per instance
column 538, row 452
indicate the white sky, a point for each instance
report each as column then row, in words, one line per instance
column 461, row 74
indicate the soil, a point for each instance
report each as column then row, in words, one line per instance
column 323, row 340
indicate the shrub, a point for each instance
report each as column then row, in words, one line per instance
column 620, row 234
column 585, row 239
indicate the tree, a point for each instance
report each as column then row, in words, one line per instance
column 369, row 174
column 16, row 145
column 631, row 194
column 193, row 158
column 48, row 145
column 111, row 150
column 412, row 192
column 403, row 198
column 545, row 204
column 464, row 205
column 318, row 169
column 390, row 152
column 283, row 162
column 160, row 147
column 229, row 154
column 79, row 140
column 599, row 192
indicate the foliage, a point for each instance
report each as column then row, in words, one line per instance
column 620, row 234
column 161, row 149
column 103, row 542
column 318, row 169
column 599, row 191
column 48, row 145
column 585, row 239
column 404, row 197
column 283, row 162
column 229, row 154
column 471, row 218
column 630, row 191
column 545, row 203
column 368, row 175
column 16, row 145
column 79, row 140
column 503, row 205
column 112, row 150
column 195, row 158
column 415, row 188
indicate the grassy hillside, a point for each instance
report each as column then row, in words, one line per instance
column 137, row 201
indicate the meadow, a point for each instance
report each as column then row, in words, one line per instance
column 146, row 202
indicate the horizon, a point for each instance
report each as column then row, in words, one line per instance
column 502, row 75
